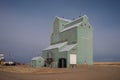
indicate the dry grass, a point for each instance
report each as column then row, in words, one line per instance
column 116, row 64
column 29, row 69
column 98, row 71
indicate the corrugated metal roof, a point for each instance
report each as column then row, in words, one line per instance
column 56, row 46
column 36, row 58
column 68, row 47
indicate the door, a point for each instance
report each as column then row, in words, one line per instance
column 72, row 58
column 62, row 63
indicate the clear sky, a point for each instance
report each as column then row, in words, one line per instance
column 26, row 26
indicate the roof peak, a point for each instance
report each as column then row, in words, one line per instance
column 64, row 19
column 80, row 18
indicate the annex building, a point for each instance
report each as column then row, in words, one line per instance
column 71, row 43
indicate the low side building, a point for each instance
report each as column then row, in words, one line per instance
column 2, row 60
column 37, row 62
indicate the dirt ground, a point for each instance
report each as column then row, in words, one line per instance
column 82, row 72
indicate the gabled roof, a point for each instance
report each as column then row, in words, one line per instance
column 56, row 46
column 63, row 19
column 74, row 23
column 36, row 58
column 80, row 18
column 68, row 47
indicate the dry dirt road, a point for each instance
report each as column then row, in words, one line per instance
column 80, row 73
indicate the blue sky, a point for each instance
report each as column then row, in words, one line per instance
column 26, row 25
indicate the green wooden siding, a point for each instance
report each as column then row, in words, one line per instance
column 78, row 32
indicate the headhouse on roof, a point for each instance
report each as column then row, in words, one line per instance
column 71, row 42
